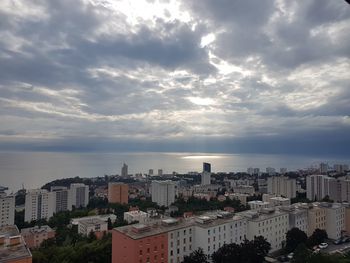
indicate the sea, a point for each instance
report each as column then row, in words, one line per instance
column 34, row 169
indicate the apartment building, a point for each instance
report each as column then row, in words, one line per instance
column 13, row 248
column 170, row 240
column 163, row 192
column 281, row 186
column 7, row 208
column 118, row 193
column 257, row 204
column 79, row 195
column 212, row 233
column 269, row 223
column 112, row 217
column 34, row 236
column 335, row 219
column 39, row 204
column 137, row 215
column 316, row 218
column 61, row 198
column 298, row 216
column 94, row 225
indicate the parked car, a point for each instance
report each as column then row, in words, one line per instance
column 345, row 239
column 338, row 241
column 323, row 245
column 290, row 255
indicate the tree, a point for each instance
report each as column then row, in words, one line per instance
column 253, row 251
column 226, row 253
column 196, row 256
column 317, row 237
column 109, row 222
column 301, row 254
column 256, row 250
column 294, row 237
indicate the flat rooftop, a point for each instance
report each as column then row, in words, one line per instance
column 171, row 224
column 12, row 252
column 36, row 229
column 92, row 222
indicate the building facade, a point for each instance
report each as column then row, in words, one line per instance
column 271, row 224
column 7, row 209
column 79, row 195
column 13, row 248
column 39, row 204
column 281, row 186
column 163, row 192
column 94, row 225
column 118, row 193
column 34, row 236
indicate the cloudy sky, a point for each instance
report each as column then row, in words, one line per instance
column 256, row 76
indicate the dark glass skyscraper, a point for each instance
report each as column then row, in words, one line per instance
column 207, row 167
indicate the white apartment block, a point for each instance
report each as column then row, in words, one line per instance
column 317, row 186
column 335, row 219
column 180, row 241
column 85, row 227
column 61, row 198
column 257, row 204
column 211, row 234
column 7, row 209
column 281, row 186
column 39, row 204
column 279, row 201
column 298, row 216
column 163, row 192
column 137, row 215
column 271, row 224
column 78, row 195
column 205, row 178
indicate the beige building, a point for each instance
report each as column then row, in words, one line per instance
column 118, row 193
column 34, row 236
column 347, row 218
column 316, row 218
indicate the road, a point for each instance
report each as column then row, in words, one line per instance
column 336, row 248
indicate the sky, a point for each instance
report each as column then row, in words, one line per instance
column 233, row 76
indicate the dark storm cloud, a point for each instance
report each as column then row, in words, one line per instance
column 273, row 76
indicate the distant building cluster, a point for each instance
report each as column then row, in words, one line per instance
column 42, row 204
column 158, row 237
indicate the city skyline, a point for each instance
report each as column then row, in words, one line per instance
column 198, row 76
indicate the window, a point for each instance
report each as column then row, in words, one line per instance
column 140, row 252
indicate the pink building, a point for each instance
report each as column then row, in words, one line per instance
column 34, row 236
